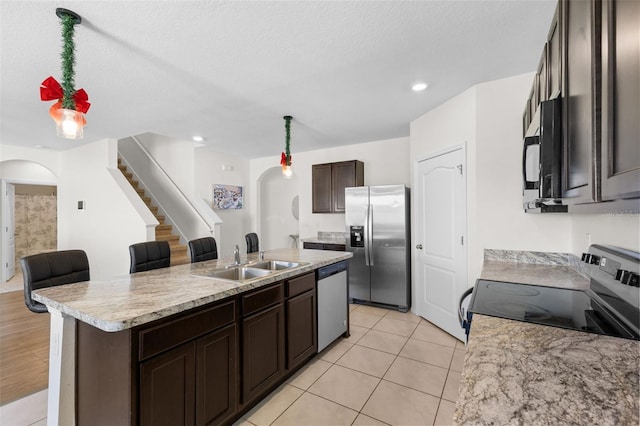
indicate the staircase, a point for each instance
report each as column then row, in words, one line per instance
column 164, row 232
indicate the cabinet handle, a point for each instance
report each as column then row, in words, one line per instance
column 419, row 246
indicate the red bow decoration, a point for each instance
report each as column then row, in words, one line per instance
column 283, row 160
column 51, row 90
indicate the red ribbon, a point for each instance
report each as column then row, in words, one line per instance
column 51, row 90
column 283, row 160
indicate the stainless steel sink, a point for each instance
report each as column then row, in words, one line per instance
column 239, row 274
column 275, row 265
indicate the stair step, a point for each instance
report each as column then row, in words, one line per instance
column 147, row 200
column 159, row 217
column 134, row 183
column 171, row 238
column 178, row 250
column 164, row 228
column 140, row 191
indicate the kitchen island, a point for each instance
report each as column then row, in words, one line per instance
column 522, row 373
column 122, row 350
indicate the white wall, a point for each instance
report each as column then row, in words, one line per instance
column 385, row 162
column 500, row 219
column 176, row 158
column 209, row 171
column 110, row 222
column 610, row 229
column 488, row 118
column 450, row 124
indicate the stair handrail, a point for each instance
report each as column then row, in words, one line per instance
column 175, row 186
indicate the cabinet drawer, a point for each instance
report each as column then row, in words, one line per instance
column 165, row 336
column 313, row 246
column 301, row 284
column 334, row 247
column 261, row 299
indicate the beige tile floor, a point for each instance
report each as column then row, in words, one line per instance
column 395, row 369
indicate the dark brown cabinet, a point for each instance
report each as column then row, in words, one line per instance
column 263, row 341
column 321, row 188
column 578, row 105
column 323, row 246
column 206, row 366
column 554, row 56
column 167, row 388
column 302, row 338
column 216, row 376
column 329, row 181
column 197, row 379
column 593, row 64
column 620, row 129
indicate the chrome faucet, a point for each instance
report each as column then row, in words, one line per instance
column 236, row 255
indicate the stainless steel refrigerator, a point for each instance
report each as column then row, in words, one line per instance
column 378, row 234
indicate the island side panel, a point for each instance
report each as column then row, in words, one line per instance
column 106, row 378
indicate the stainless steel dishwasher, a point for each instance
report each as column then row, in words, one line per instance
column 332, row 303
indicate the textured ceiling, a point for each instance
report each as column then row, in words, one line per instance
column 229, row 70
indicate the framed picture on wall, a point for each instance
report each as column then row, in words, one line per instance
column 227, row 197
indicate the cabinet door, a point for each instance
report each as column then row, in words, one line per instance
column 301, row 328
column 578, row 101
column 262, row 351
column 620, row 144
column 216, row 376
column 554, row 57
column 346, row 174
column 321, row 191
column 167, row 387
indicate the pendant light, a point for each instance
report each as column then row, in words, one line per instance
column 285, row 159
column 68, row 112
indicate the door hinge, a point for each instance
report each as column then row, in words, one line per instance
column 462, row 240
column 459, row 166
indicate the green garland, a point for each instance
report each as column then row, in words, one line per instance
column 68, row 61
column 287, row 126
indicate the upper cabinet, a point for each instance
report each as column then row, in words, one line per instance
column 620, row 128
column 578, row 95
column 592, row 61
column 329, row 181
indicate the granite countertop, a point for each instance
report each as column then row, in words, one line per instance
column 327, row 237
column 128, row 301
column 522, row 373
column 538, row 274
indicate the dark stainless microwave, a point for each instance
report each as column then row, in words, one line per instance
column 542, row 162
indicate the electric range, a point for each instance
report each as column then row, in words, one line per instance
column 611, row 305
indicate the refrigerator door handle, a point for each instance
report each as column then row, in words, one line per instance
column 370, row 231
column 366, row 236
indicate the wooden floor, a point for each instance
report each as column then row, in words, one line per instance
column 24, row 348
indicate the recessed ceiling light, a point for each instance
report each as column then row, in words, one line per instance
column 419, row 87
column 198, row 139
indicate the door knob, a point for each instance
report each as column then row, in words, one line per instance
column 419, row 246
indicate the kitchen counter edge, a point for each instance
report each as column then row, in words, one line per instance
column 126, row 302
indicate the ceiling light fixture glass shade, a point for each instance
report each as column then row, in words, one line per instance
column 285, row 158
column 69, row 123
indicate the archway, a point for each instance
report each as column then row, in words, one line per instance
column 277, row 198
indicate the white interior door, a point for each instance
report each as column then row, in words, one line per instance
column 441, row 259
column 8, row 236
